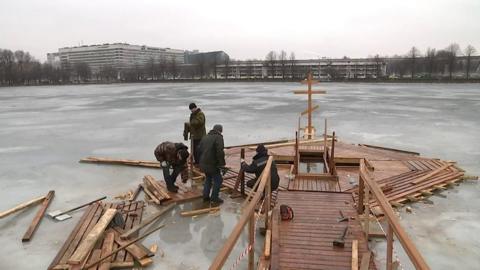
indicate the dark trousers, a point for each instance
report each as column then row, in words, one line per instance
column 207, row 186
column 196, row 152
column 171, row 178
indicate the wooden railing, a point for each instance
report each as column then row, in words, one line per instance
column 248, row 215
column 368, row 185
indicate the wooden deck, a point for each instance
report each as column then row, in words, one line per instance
column 306, row 241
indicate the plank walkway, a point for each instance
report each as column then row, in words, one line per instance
column 306, row 241
column 132, row 214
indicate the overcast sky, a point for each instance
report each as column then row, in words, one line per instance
column 244, row 29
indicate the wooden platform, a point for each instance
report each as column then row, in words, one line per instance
column 306, row 241
column 303, row 183
column 132, row 214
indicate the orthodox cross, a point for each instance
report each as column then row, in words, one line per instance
column 309, row 130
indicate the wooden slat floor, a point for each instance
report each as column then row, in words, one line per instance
column 306, row 241
column 132, row 214
column 308, row 184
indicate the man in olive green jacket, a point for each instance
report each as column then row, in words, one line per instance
column 212, row 161
column 197, row 129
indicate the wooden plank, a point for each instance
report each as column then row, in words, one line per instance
column 88, row 213
column 86, row 227
column 365, row 264
column 137, row 252
column 92, row 237
column 274, row 260
column 300, row 92
column 199, row 211
column 38, row 218
column 268, row 244
column 149, row 220
column 122, row 265
column 107, row 247
column 355, row 255
column 390, row 149
column 421, row 179
column 124, row 246
column 21, row 206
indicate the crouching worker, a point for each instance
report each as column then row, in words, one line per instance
column 258, row 164
column 212, row 162
column 172, row 155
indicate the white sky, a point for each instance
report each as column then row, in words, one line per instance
column 244, row 29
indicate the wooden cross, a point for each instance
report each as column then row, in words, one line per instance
column 310, row 109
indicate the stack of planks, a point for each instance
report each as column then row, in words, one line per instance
column 424, row 177
column 154, row 190
column 97, row 234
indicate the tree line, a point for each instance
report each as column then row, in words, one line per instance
column 451, row 62
column 21, row 68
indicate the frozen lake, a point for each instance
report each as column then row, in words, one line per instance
column 45, row 130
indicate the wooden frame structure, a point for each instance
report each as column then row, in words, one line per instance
column 368, row 185
column 248, row 216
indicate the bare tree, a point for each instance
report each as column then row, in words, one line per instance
column 430, row 58
column 452, row 50
column 82, row 71
column 150, row 68
column 378, row 65
column 292, row 65
column 283, row 62
column 173, row 68
column 270, row 61
column 469, row 51
column 413, row 54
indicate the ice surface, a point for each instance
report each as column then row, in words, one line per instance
column 45, row 130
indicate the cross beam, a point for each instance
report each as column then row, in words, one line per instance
column 310, row 109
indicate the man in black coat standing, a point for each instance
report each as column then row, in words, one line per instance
column 212, row 162
column 258, row 165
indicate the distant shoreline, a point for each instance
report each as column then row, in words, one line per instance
column 433, row 81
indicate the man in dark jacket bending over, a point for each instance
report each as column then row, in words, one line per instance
column 258, row 164
column 212, row 161
column 172, row 155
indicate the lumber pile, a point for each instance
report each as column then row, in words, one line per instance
column 424, row 177
column 95, row 241
column 154, row 190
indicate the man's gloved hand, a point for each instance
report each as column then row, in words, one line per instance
column 242, row 160
column 223, row 170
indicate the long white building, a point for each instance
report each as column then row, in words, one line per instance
column 117, row 55
column 320, row 68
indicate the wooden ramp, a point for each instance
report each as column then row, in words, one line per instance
column 306, row 241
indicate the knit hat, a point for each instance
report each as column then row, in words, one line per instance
column 218, row 128
column 192, row 106
column 261, row 148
